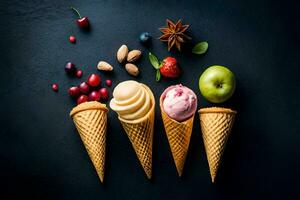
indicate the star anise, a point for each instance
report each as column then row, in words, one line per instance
column 174, row 34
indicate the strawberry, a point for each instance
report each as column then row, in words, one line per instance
column 170, row 68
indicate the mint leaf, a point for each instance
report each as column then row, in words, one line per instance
column 154, row 61
column 200, row 48
column 158, row 75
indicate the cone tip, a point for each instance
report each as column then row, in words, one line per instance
column 101, row 177
column 213, row 177
column 149, row 176
column 179, row 174
column 179, row 170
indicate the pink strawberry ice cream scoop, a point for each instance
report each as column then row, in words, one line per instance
column 179, row 102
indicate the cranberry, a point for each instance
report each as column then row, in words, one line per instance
column 84, row 88
column 70, row 68
column 79, row 73
column 108, row 82
column 72, row 39
column 82, row 22
column 83, row 98
column 74, row 91
column 103, row 93
column 94, row 96
column 55, row 87
column 94, row 80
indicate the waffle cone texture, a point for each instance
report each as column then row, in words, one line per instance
column 179, row 135
column 216, row 124
column 140, row 134
column 90, row 119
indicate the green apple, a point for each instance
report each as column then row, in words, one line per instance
column 217, row 84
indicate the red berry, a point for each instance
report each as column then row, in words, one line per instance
column 70, row 68
column 55, row 87
column 170, row 68
column 82, row 22
column 94, row 80
column 84, row 88
column 94, row 96
column 72, row 39
column 74, row 91
column 79, row 73
column 108, row 82
column 103, row 93
column 83, row 98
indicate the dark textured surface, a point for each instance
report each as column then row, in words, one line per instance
column 42, row 156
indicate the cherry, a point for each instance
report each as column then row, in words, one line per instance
column 79, row 73
column 94, row 96
column 103, row 93
column 84, row 88
column 83, row 98
column 82, row 22
column 108, row 82
column 74, row 91
column 94, row 80
column 55, row 87
column 72, row 39
column 70, row 68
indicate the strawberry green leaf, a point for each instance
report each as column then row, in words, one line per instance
column 158, row 75
column 161, row 63
column 200, row 48
column 154, row 61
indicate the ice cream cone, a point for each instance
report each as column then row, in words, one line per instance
column 90, row 119
column 140, row 134
column 216, row 124
column 179, row 135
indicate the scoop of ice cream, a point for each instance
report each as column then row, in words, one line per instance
column 130, row 100
column 179, row 102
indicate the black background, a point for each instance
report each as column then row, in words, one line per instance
column 41, row 154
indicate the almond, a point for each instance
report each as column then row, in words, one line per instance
column 134, row 55
column 104, row 66
column 122, row 53
column 132, row 69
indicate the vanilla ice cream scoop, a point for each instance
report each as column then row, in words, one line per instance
column 130, row 100
column 179, row 102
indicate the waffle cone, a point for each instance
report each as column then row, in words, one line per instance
column 140, row 134
column 90, row 119
column 216, row 124
column 179, row 135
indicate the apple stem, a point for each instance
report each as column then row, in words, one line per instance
column 77, row 12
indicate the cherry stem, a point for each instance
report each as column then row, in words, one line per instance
column 76, row 12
